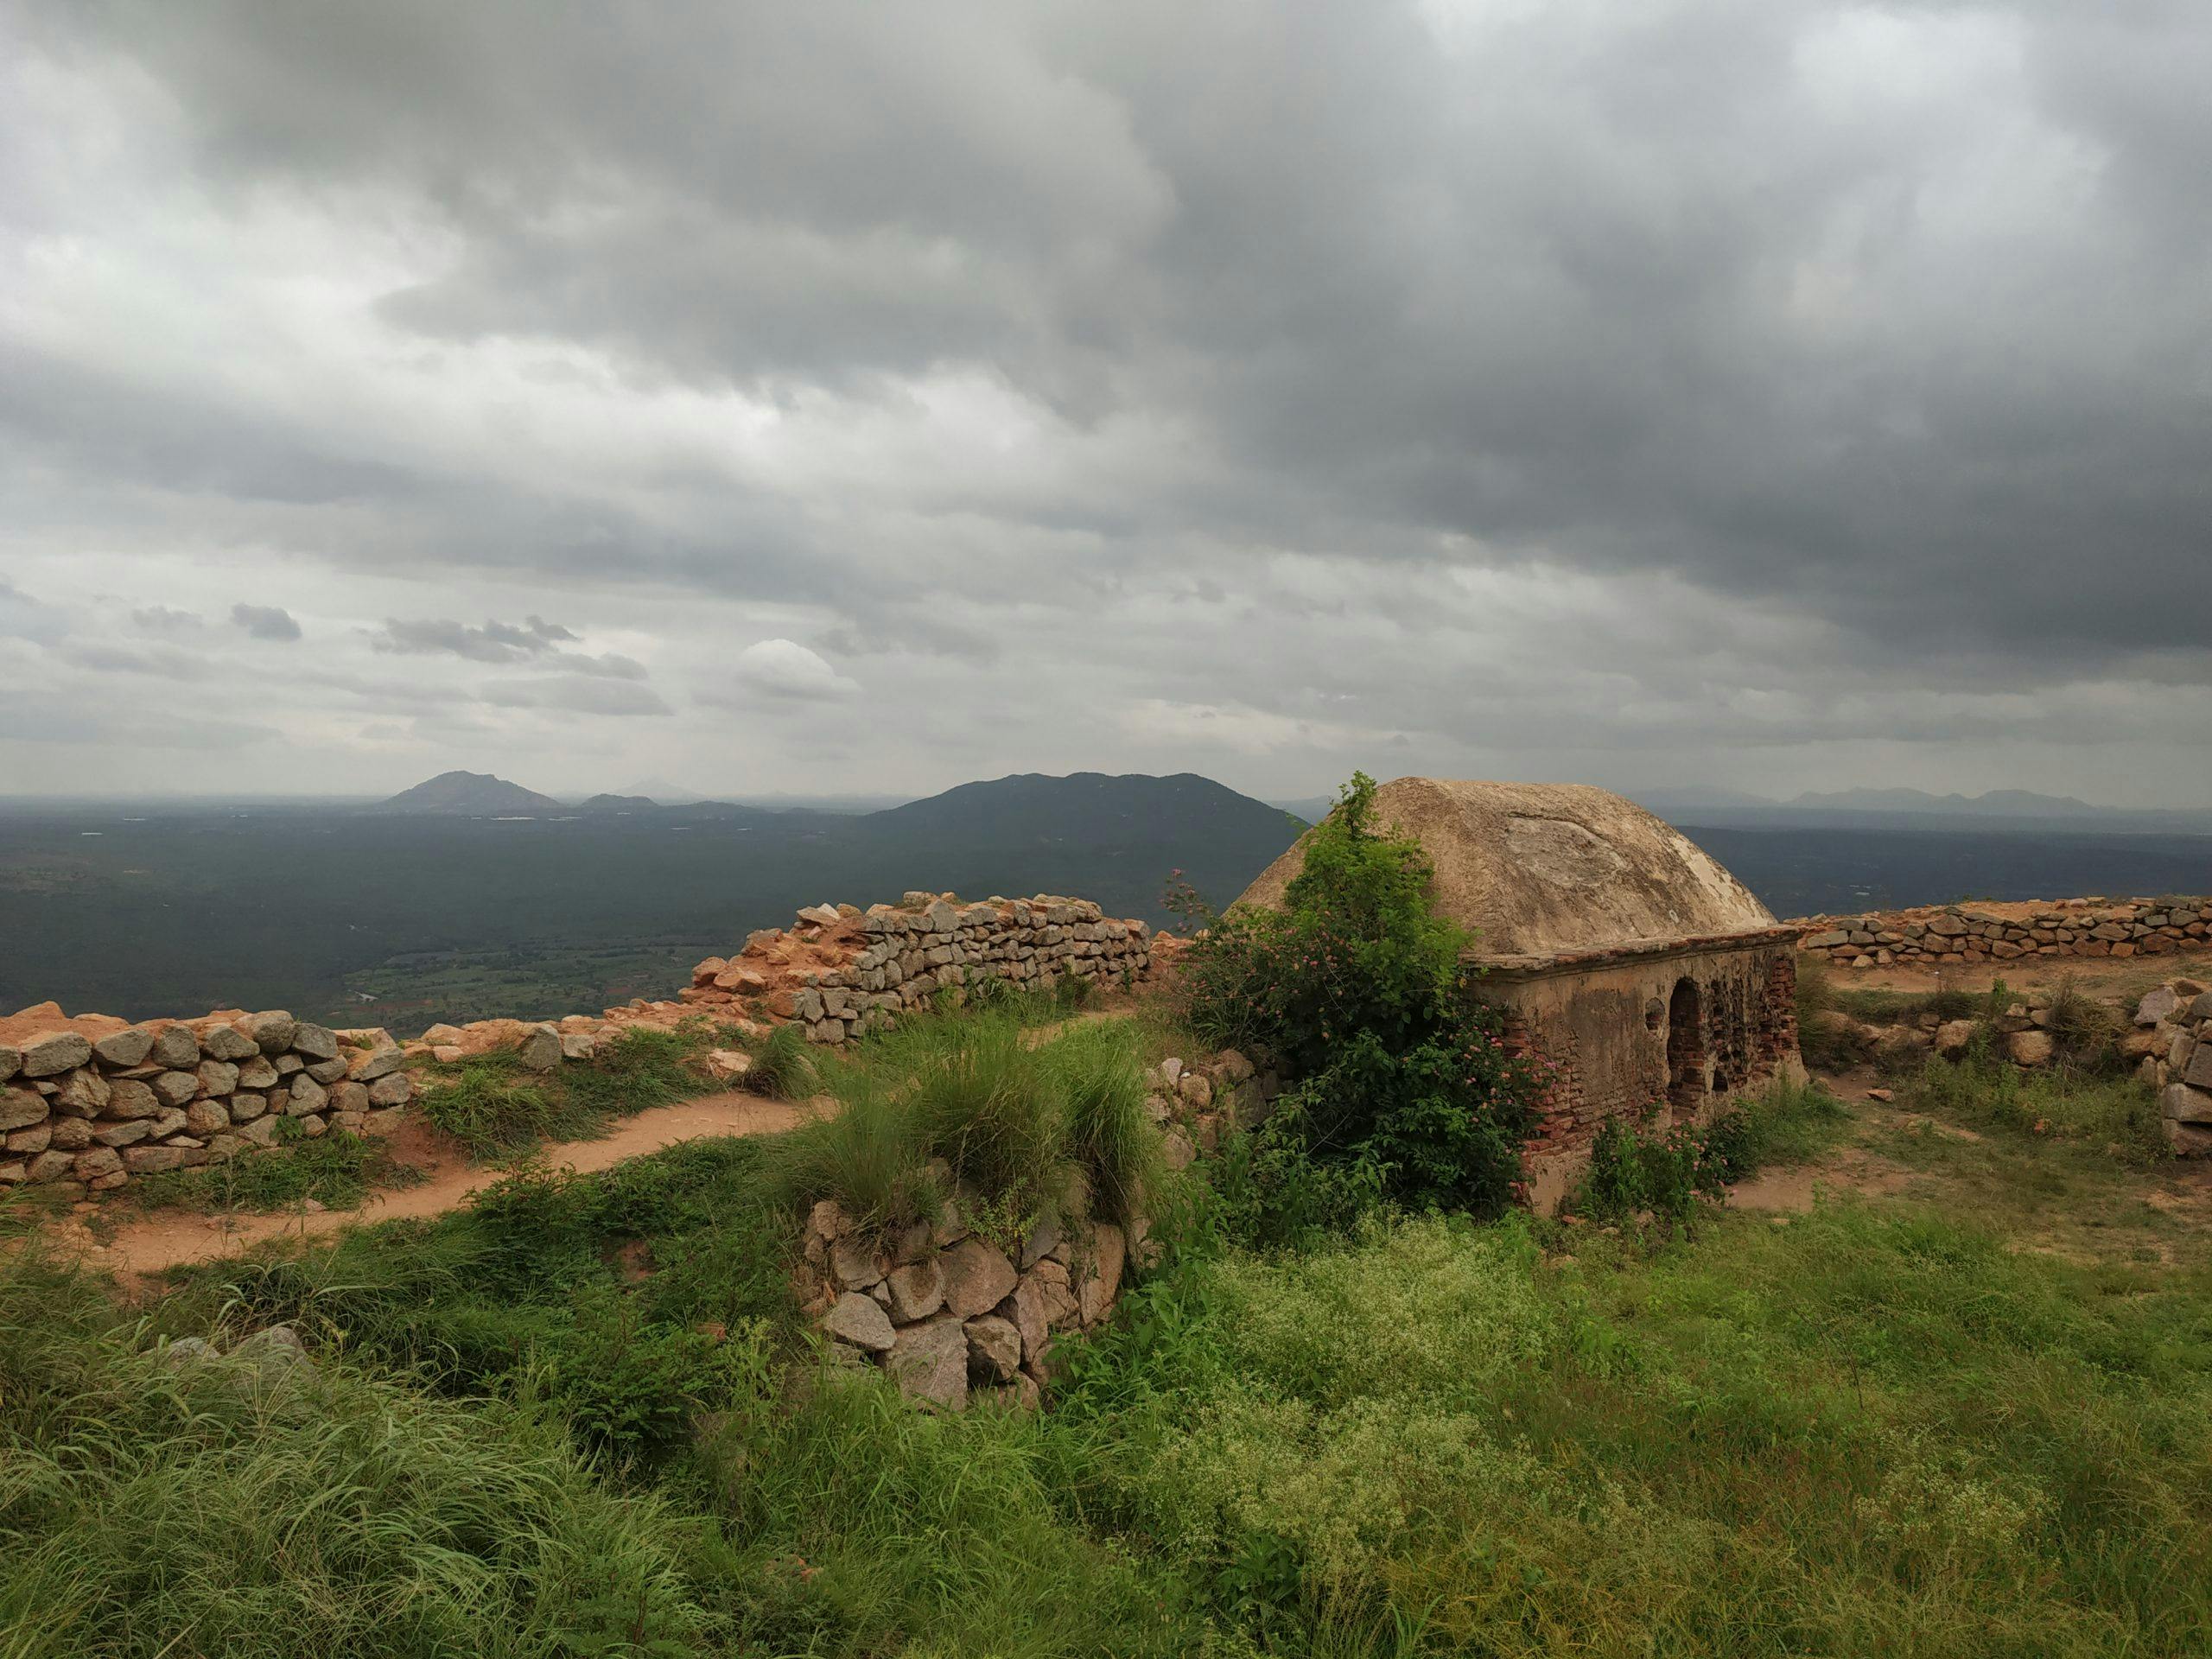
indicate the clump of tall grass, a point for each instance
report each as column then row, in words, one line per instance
column 1827, row 1038
column 152, row 1505
column 782, row 1067
column 496, row 1109
column 1982, row 1087
column 1009, row 1121
column 1109, row 1135
column 336, row 1170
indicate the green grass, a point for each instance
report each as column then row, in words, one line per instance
column 155, row 1509
column 496, row 1110
column 2116, row 1114
column 1014, row 1120
column 1787, row 1123
column 336, row 1170
column 584, row 1417
column 783, row 1067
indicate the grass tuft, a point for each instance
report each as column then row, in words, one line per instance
column 336, row 1170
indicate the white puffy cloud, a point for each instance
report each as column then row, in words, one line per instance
column 783, row 668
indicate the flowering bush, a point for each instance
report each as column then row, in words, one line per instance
column 1355, row 991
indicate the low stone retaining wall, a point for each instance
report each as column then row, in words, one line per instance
column 94, row 1099
column 2173, row 1031
column 841, row 972
column 1976, row 933
column 953, row 1316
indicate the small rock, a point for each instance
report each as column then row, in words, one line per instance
column 977, row 1277
column 176, row 1047
column 994, row 1350
column 271, row 1031
column 852, row 1263
column 855, row 1319
column 123, row 1048
column 230, row 1044
column 53, row 1053
column 915, row 1292
column 314, row 1042
column 20, row 1107
column 396, row 1090
column 540, row 1049
column 368, row 1064
column 2030, row 1048
column 929, row 1361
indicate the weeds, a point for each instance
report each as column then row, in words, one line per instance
column 782, row 1067
column 2115, row 1113
column 1010, row 1122
column 335, row 1170
column 496, row 1110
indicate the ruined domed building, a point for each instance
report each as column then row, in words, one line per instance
column 1619, row 951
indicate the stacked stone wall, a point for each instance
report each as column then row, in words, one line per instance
column 1958, row 934
column 841, row 972
column 94, row 1100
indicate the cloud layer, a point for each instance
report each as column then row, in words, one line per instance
column 1774, row 393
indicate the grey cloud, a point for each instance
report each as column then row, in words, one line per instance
column 583, row 696
column 1030, row 349
column 162, row 662
column 22, row 617
column 265, row 621
column 160, row 618
column 495, row 642
column 534, row 641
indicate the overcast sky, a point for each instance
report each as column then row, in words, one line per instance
column 804, row 397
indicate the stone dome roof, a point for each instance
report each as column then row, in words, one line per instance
column 1545, row 870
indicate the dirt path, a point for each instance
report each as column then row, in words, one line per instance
column 148, row 1243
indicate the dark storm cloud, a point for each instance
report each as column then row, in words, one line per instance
column 265, row 621
column 1894, row 318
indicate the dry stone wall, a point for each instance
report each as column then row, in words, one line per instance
column 2174, row 1023
column 94, row 1100
column 841, row 972
column 1976, row 933
column 955, row 1316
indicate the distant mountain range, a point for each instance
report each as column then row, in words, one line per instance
column 1998, row 810
column 1117, row 839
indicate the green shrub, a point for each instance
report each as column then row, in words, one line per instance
column 1666, row 1173
column 1355, row 990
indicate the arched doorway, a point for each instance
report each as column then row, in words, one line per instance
column 1685, row 1050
